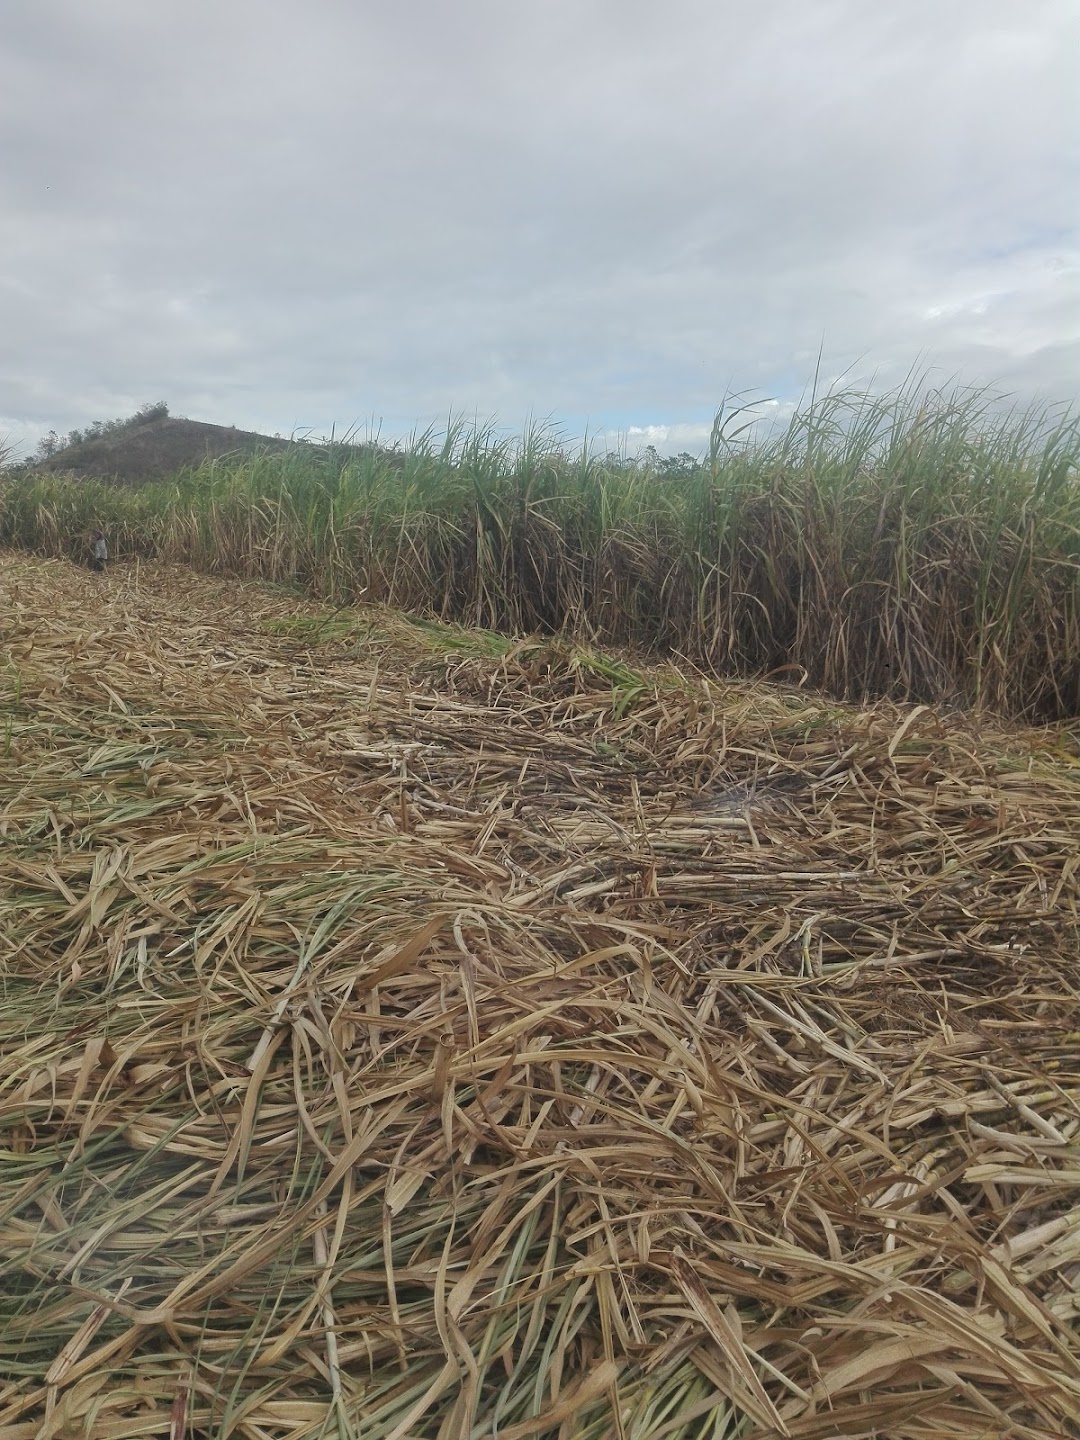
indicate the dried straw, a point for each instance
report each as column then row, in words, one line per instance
column 404, row 1039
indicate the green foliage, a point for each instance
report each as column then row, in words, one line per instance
column 670, row 466
column 920, row 545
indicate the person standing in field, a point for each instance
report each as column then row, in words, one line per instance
column 99, row 552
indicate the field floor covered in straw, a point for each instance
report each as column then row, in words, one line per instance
column 405, row 1033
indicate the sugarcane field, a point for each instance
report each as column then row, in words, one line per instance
column 412, row 1030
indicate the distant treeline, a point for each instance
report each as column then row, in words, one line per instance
column 920, row 545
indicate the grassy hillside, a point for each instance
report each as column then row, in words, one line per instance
column 138, row 453
column 409, row 1034
column 923, row 547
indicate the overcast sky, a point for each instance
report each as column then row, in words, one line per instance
column 287, row 215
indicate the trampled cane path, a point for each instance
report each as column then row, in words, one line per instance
column 406, row 1033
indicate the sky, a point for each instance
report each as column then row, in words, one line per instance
column 604, row 215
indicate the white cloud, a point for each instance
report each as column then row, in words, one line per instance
column 289, row 215
column 668, row 439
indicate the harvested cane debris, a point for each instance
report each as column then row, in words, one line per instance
column 406, row 1035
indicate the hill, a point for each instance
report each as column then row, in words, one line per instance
column 161, row 446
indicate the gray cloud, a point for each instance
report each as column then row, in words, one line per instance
column 610, row 211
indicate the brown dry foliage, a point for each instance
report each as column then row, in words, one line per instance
column 402, row 1043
